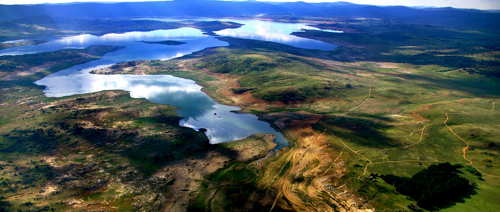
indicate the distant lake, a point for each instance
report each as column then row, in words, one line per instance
column 197, row 109
column 268, row 31
column 275, row 32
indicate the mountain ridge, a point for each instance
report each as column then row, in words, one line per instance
column 230, row 8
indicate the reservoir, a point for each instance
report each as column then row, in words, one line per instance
column 197, row 109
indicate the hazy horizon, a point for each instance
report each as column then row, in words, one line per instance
column 472, row 4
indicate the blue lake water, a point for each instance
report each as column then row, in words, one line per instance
column 197, row 109
column 275, row 32
column 268, row 31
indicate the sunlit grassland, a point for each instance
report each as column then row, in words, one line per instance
column 404, row 100
column 398, row 130
column 275, row 76
column 471, row 118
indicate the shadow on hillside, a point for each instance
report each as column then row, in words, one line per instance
column 152, row 152
column 146, row 152
column 362, row 131
column 452, row 199
column 234, row 197
column 473, row 85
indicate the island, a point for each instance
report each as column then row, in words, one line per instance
column 165, row 42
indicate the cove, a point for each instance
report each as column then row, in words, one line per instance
column 197, row 109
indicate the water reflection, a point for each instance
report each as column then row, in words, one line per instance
column 157, row 35
column 267, row 31
column 195, row 106
column 162, row 89
column 14, row 41
column 252, row 29
column 197, row 109
column 275, row 32
column 122, row 39
column 332, row 31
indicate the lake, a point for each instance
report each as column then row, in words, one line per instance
column 197, row 109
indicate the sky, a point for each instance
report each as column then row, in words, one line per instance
column 476, row 4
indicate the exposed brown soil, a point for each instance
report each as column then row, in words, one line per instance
column 310, row 183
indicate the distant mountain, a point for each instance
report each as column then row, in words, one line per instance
column 215, row 8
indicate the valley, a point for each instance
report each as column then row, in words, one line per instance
column 333, row 120
column 388, row 121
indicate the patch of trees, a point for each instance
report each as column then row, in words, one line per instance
column 438, row 186
column 7, row 66
column 4, row 204
column 241, row 90
column 29, row 140
column 62, row 59
column 37, row 176
column 101, row 137
column 125, row 65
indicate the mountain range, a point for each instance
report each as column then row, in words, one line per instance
column 216, row 8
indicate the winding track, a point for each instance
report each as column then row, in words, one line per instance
column 276, row 200
column 362, row 103
column 355, row 152
column 345, row 145
column 464, row 150
column 419, row 141
column 292, row 159
column 421, row 161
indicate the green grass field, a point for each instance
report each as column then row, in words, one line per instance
column 393, row 99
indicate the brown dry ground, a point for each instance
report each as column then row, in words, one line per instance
column 326, row 167
column 170, row 187
column 102, row 151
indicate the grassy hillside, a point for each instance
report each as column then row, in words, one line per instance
column 21, row 43
column 47, row 26
column 275, row 77
column 393, row 100
column 355, row 118
column 472, row 51
column 100, row 151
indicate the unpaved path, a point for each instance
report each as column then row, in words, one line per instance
column 355, row 152
column 335, row 161
column 362, row 103
column 464, row 150
column 419, row 141
column 345, row 145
